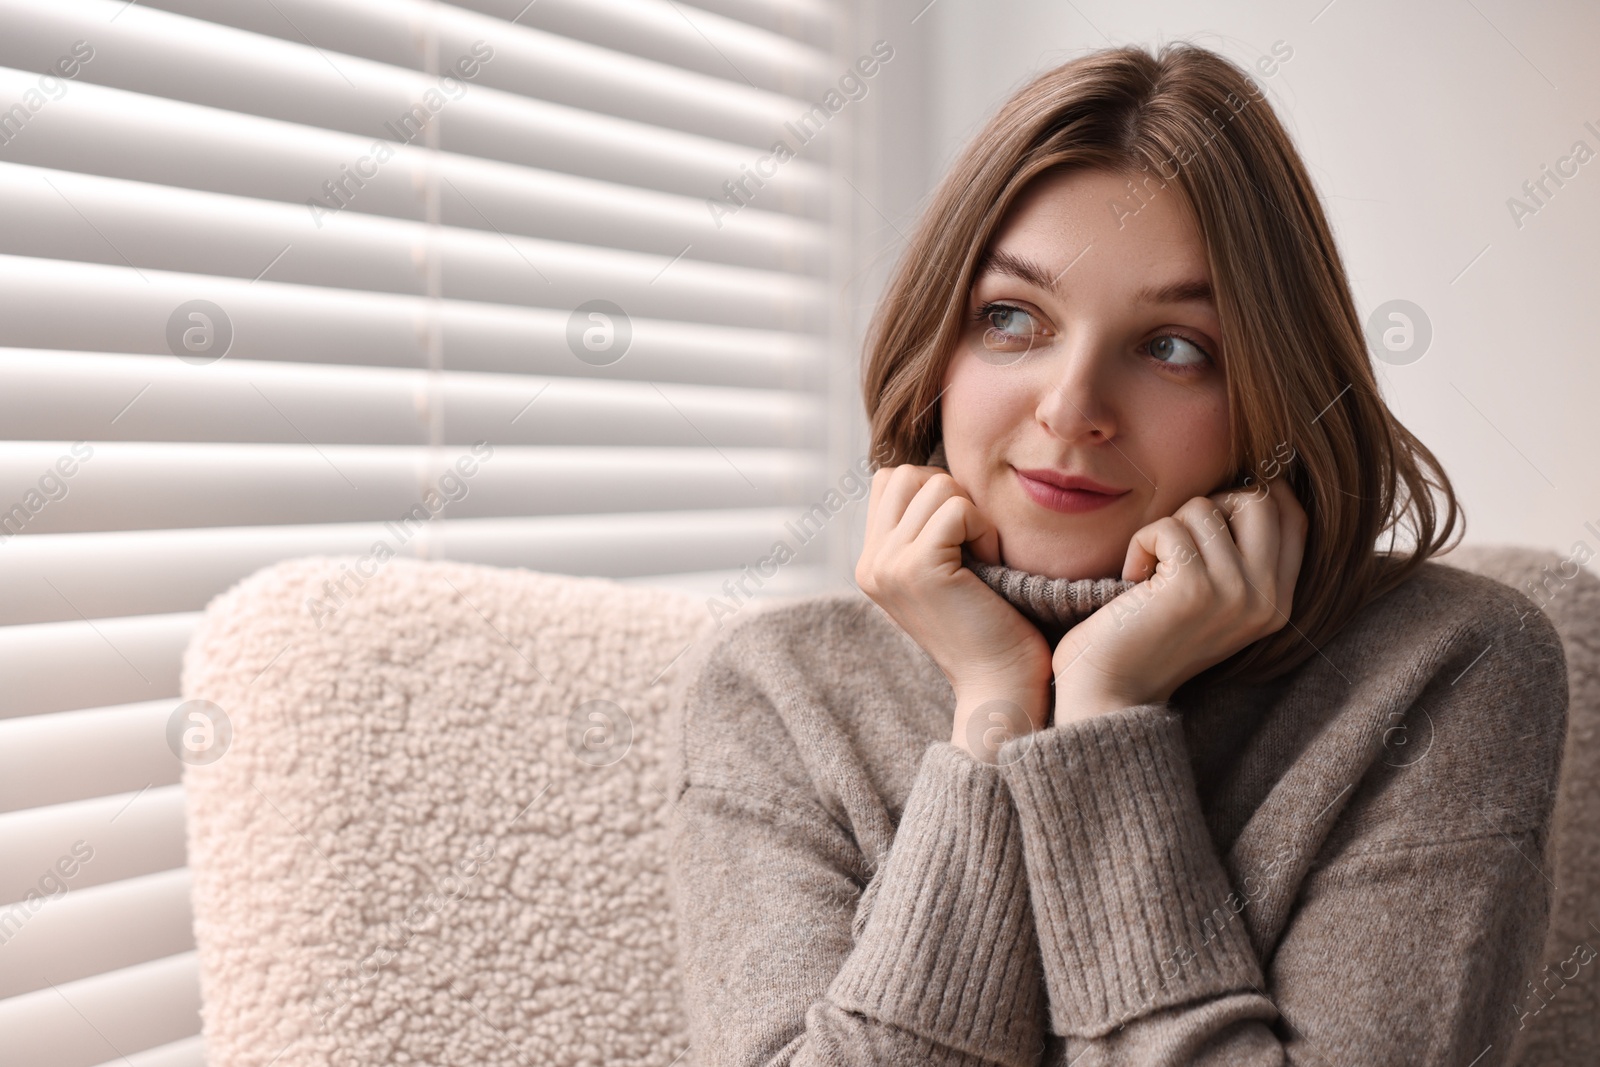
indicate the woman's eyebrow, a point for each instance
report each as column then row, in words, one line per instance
column 1194, row 291
column 1191, row 291
column 999, row 261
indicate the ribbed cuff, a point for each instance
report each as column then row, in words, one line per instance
column 948, row 951
column 1132, row 905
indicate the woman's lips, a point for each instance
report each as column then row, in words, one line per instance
column 1071, row 501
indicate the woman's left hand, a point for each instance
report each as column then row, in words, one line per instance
column 1215, row 576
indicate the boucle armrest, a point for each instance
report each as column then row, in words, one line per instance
column 435, row 832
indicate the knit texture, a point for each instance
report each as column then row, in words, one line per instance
column 1344, row 865
column 1055, row 605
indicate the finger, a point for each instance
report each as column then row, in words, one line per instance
column 1253, row 519
column 986, row 541
column 928, row 488
column 877, row 523
column 880, row 478
column 945, row 526
column 1274, row 520
column 1207, row 521
column 956, row 521
column 1163, row 541
column 901, row 485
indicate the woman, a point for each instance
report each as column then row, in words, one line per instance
column 1137, row 751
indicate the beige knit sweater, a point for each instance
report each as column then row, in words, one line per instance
column 1341, row 867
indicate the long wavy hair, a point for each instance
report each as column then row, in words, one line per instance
column 1298, row 371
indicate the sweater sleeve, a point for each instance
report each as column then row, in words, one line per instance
column 1122, row 876
column 1407, row 944
column 778, row 967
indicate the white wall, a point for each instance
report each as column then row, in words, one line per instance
column 1418, row 121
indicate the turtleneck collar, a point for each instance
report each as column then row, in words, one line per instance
column 1055, row 605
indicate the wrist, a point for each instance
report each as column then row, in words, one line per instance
column 987, row 719
column 1075, row 704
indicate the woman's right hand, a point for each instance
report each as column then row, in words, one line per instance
column 997, row 662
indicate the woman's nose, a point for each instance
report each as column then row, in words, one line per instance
column 1076, row 401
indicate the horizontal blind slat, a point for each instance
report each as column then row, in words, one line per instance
column 89, row 931
column 78, row 755
column 187, row 1052
column 84, row 396
column 812, row 20
column 87, row 218
column 127, row 835
column 678, row 33
column 141, row 485
column 63, row 666
column 269, row 321
column 793, row 579
column 127, row 1011
column 583, row 545
column 533, row 62
column 51, row 578
column 95, row 129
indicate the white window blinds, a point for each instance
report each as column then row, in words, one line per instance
column 526, row 284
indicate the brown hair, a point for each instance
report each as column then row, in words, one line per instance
column 1297, row 366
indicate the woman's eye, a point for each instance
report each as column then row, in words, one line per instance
column 1178, row 351
column 1006, row 325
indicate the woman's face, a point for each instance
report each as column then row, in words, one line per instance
column 1092, row 350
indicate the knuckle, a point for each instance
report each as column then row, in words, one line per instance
column 1170, row 524
column 1191, row 596
column 1266, row 614
column 1234, row 595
